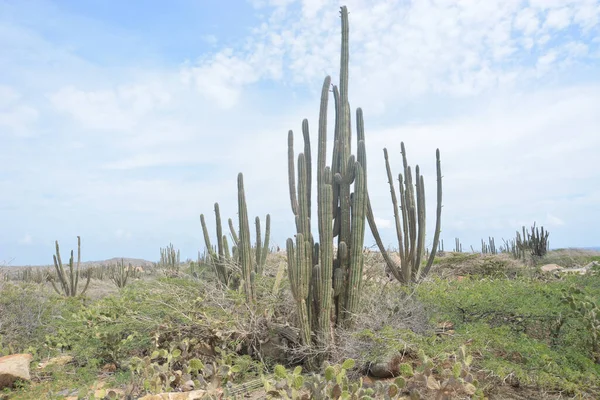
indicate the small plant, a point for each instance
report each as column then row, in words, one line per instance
column 455, row 379
column 69, row 280
column 587, row 309
column 334, row 383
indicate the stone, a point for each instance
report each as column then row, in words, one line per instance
column 193, row 395
column 188, row 386
column 14, row 367
column 58, row 361
column 550, row 268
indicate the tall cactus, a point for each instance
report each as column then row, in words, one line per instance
column 244, row 248
column 262, row 249
column 69, row 280
column 410, row 223
column 220, row 259
column 331, row 297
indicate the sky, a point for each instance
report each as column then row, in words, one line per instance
column 122, row 122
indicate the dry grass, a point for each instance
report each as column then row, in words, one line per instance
column 571, row 258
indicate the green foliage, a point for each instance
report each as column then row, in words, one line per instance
column 586, row 308
column 519, row 327
column 25, row 314
column 455, row 379
column 333, row 383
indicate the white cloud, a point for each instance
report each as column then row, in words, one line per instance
column 553, row 220
column 26, row 240
column 493, row 84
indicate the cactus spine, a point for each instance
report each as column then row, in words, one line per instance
column 332, row 295
column 69, row 280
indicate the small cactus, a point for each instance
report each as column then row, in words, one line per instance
column 69, row 279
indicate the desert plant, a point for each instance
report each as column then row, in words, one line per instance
column 325, row 287
column 69, row 280
column 244, row 248
column 169, row 259
column 262, row 249
column 120, row 273
column 489, row 247
column 588, row 310
column 454, row 381
column 410, row 227
column 333, row 383
column 220, row 259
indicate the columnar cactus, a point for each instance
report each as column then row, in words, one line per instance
column 169, row 258
column 262, row 249
column 119, row 273
column 331, row 296
column 410, row 226
column 244, row 248
column 220, row 259
column 69, row 280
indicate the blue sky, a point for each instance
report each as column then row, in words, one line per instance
column 123, row 121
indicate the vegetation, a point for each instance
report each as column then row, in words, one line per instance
column 443, row 326
column 69, row 280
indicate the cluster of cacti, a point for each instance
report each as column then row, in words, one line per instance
column 35, row 275
column 69, row 279
column 530, row 243
column 410, row 224
column 511, row 247
column 120, row 273
column 489, row 247
column 457, row 246
column 326, row 287
column 222, row 259
column 169, row 258
column 535, row 241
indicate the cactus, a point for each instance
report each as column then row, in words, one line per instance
column 457, row 246
column 220, row 259
column 119, row 274
column 69, row 280
column 244, row 249
column 410, row 225
column 489, row 247
column 169, row 259
column 262, row 249
column 325, row 285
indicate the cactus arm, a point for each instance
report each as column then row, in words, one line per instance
column 438, row 215
column 291, row 173
column 308, row 159
column 258, row 267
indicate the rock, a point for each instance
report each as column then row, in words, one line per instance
column 188, row 386
column 59, row 361
column 13, row 368
column 592, row 265
column 551, row 268
column 193, row 395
